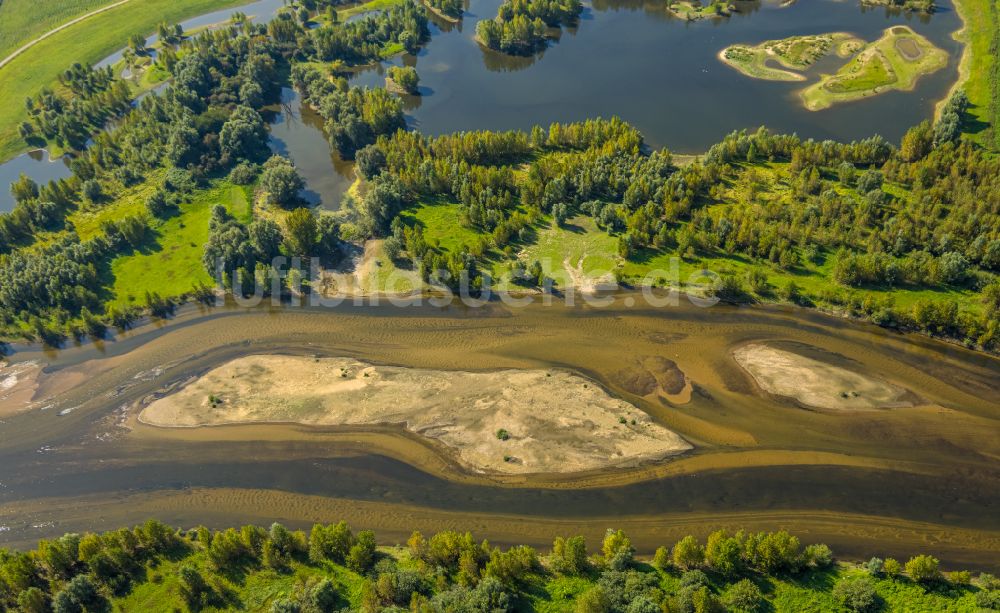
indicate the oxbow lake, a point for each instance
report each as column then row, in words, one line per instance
column 627, row 58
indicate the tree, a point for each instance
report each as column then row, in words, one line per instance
column 593, row 600
column 617, row 550
column 569, row 556
column 80, row 595
column 917, row 142
column 722, row 552
column 265, row 238
column 362, row 555
column 891, row 567
column 405, row 77
column 818, row 555
column 923, row 569
column 243, row 136
column 157, row 204
column 743, row 596
column 661, row 558
column 301, row 232
column 324, row 596
column 856, row 593
column 688, row 553
column 281, row 181
column 370, row 161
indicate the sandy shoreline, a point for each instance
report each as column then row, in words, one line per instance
column 508, row 421
column 814, row 383
column 18, row 384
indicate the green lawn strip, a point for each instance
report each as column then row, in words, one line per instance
column 22, row 21
column 442, row 224
column 365, row 7
column 86, row 42
column 578, row 244
column 980, row 27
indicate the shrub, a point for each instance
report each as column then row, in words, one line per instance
column 743, row 596
column 891, row 567
column 923, row 569
column 856, row 593
column 244, row 173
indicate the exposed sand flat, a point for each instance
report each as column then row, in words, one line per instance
column 18, row 383
column 557, row 422
column 814, row 383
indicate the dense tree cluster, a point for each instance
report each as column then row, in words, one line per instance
column 94, row 97
column 369, row 38
column 245, row 253
column 405, row 78
column 520, row 26
column 450, row 571
column 924, row 215
column 451, row 8
column 354, row 117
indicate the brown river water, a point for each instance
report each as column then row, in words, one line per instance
column 896, row 482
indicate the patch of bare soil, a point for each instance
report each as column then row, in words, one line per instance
column 18, row 384
column 654, row 377
column 508, row 421
column 817, row 384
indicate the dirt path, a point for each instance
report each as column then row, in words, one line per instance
column 10, row 58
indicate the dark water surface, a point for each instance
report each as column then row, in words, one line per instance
column 632, row 59
column 297, row 133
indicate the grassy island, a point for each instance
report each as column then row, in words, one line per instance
column 911, row 6
column 693, row 9
column 793, row 53
column 894, row 62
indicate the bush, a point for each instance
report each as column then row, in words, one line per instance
column 891, row 567
column 818, row 555
column 743, row 596
column 856, row 594
column 244, row 173
column 281, row 181
column 923, row 569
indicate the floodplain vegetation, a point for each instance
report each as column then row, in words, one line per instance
column 906, row 236
column 154, row 567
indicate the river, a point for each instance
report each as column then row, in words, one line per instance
column 885, row 482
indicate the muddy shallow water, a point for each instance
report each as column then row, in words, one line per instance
column 889, row 481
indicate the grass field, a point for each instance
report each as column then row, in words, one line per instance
column 982, row 22
column 171, row 264
column 896, row 61
column 24, row 20
column 88, row 41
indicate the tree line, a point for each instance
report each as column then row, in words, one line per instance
column 449, row 571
